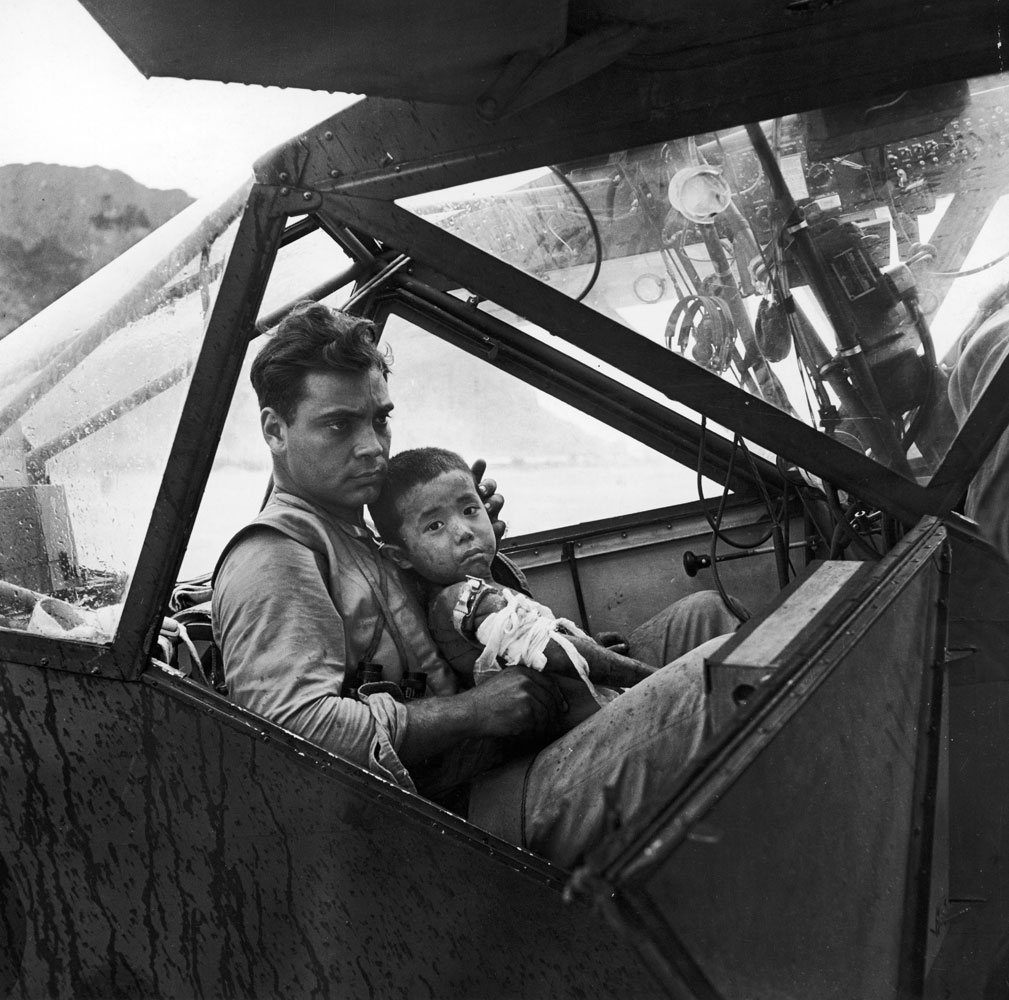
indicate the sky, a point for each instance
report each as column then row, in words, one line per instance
column 68, row 95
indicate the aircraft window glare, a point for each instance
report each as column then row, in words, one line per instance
column 238, row 480
column 556, row 465
column 89, row 420
column 301, row 266
column 241, row 471
column 906, row 213
column 604, row 368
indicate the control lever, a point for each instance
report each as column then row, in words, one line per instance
column 694, row 563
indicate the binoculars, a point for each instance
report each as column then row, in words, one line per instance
column 413, row 685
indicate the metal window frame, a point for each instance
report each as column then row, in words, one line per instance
column 363, row 159
column 189, row 461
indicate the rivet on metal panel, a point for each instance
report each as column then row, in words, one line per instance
column 334, row 173
column 307, row 195
column 327, row 135
column 44, row 661
column 284, row 175
column 285, row 191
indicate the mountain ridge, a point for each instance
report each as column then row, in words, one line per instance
column 59, row 224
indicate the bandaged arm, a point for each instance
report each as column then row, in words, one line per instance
column 491, row 609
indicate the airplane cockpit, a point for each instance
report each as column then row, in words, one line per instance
column 757, row 357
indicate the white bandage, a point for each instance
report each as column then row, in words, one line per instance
column 519, row 633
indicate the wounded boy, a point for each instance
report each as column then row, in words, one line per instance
column 433, row 522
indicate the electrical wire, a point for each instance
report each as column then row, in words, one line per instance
column 888, row 104
column 687, row 278
column 729, row 251
column 712, row 523
column 970, row 270
column 777, row 534
column 593, row 225
column 733, row 605
column 931, row 365
column 843, row 526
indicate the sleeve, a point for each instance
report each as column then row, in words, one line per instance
column 988, row 494
column 284, row 650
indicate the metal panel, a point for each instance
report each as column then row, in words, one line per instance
column 159, row 843
column 797, row 864
column 432, row 52
column 625, row 576
column 973, row 914
column 796, row 53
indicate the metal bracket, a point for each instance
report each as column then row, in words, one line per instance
column 958, row 653
column 294, row 201
column 946, row 912
column 568, row 555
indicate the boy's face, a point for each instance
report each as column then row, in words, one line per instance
column 446, row 533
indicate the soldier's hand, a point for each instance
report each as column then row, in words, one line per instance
column 517, row 702
column 492, row 500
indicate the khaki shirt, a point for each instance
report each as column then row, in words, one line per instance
column 297, row 600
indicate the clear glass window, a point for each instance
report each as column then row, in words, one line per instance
column 850, row 316
column 241, row 473
column 90, row 399
column 555, row 465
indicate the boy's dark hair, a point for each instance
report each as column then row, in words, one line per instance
column 313, row 338
column 406, row 470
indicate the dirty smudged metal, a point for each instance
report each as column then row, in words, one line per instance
column 161, row 845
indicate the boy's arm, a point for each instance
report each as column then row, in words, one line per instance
column 605, row 666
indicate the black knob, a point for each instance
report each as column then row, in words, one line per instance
column 692, row 562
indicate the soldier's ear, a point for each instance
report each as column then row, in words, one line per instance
column 274, row 429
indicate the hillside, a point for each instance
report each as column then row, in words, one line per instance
column 60, row 224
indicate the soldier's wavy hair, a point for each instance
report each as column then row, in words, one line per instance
column 313, row 338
